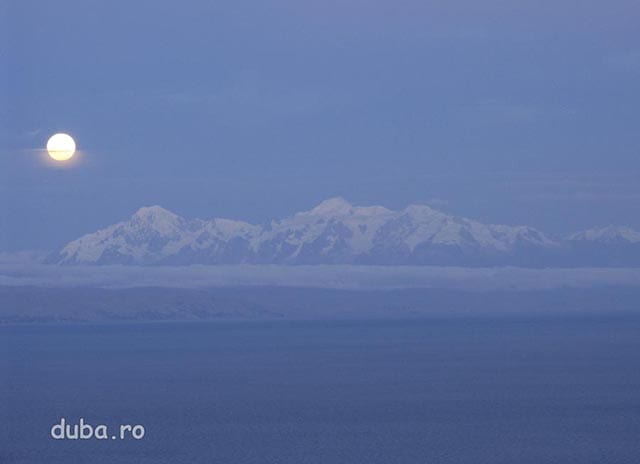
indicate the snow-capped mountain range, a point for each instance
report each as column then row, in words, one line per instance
column 336, row 232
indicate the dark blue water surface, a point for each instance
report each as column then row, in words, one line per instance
column 434, row 391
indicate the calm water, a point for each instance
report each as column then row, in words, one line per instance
column 482, row 391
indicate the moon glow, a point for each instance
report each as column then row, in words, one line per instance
column 61, row 147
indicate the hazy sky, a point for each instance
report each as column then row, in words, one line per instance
column 505, row 111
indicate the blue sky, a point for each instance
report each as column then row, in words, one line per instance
column 508, row 112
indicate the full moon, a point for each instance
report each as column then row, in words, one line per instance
column 61, row 147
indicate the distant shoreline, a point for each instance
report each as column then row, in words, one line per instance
column 25, row 304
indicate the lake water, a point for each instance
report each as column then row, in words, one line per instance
column 499, row 390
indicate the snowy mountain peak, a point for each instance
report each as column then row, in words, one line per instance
column 608, row 234
column 422, row 211
column 154, row 213
column 158, row 219
column 336, row 206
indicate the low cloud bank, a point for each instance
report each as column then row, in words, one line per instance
column 16, row 273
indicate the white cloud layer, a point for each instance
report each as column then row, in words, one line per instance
column 13, row 273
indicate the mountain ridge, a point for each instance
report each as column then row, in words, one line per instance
column 337, row 232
